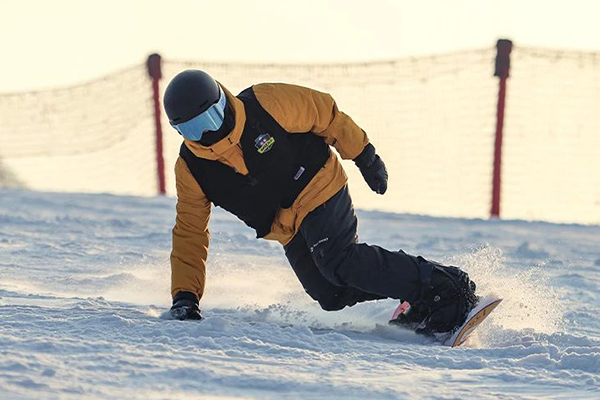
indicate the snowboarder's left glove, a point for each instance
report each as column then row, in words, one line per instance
column 185, row 306
column 372, row 169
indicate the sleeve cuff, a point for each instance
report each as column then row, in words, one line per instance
column 366, row 158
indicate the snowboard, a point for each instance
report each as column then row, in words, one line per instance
column 476, row 316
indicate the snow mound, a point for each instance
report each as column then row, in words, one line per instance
column 8, row 180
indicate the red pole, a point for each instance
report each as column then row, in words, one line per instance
column 154, row 70
column 504, row 48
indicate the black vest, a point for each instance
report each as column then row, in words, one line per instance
column 280, row 165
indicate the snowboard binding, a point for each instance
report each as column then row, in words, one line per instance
column 447, row 297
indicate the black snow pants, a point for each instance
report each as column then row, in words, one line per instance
column 337, row 271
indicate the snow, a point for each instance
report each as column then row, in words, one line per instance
column 84, row 284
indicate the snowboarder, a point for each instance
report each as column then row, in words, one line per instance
column 264, row 155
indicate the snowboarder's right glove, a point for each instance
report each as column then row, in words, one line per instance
column 185, row 306
column 372, row 169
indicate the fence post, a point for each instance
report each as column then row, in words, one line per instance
column 504, row 48
column 155, row 72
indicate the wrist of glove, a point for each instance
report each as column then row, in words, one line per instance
column 185, row 306
column 373, row 169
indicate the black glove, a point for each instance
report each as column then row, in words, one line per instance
column 372, row 169
column 185, row 306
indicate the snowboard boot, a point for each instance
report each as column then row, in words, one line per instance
column 447, row 297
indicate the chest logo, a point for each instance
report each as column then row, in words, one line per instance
column 264, row 143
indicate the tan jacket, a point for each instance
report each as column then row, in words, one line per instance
column 297, row 109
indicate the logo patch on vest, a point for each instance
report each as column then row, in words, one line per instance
column 264, row 143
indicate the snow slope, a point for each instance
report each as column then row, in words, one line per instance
column 84, row 280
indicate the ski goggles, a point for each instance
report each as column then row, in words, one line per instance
column 209, row 120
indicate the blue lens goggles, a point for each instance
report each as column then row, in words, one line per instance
column 209, row 120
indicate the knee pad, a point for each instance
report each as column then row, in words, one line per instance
column 330, row 305
column 337, row 301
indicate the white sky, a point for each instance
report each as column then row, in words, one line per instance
column 61, row 42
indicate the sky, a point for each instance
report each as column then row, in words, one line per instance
column 45, row 44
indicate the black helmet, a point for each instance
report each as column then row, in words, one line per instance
column 190, row 93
